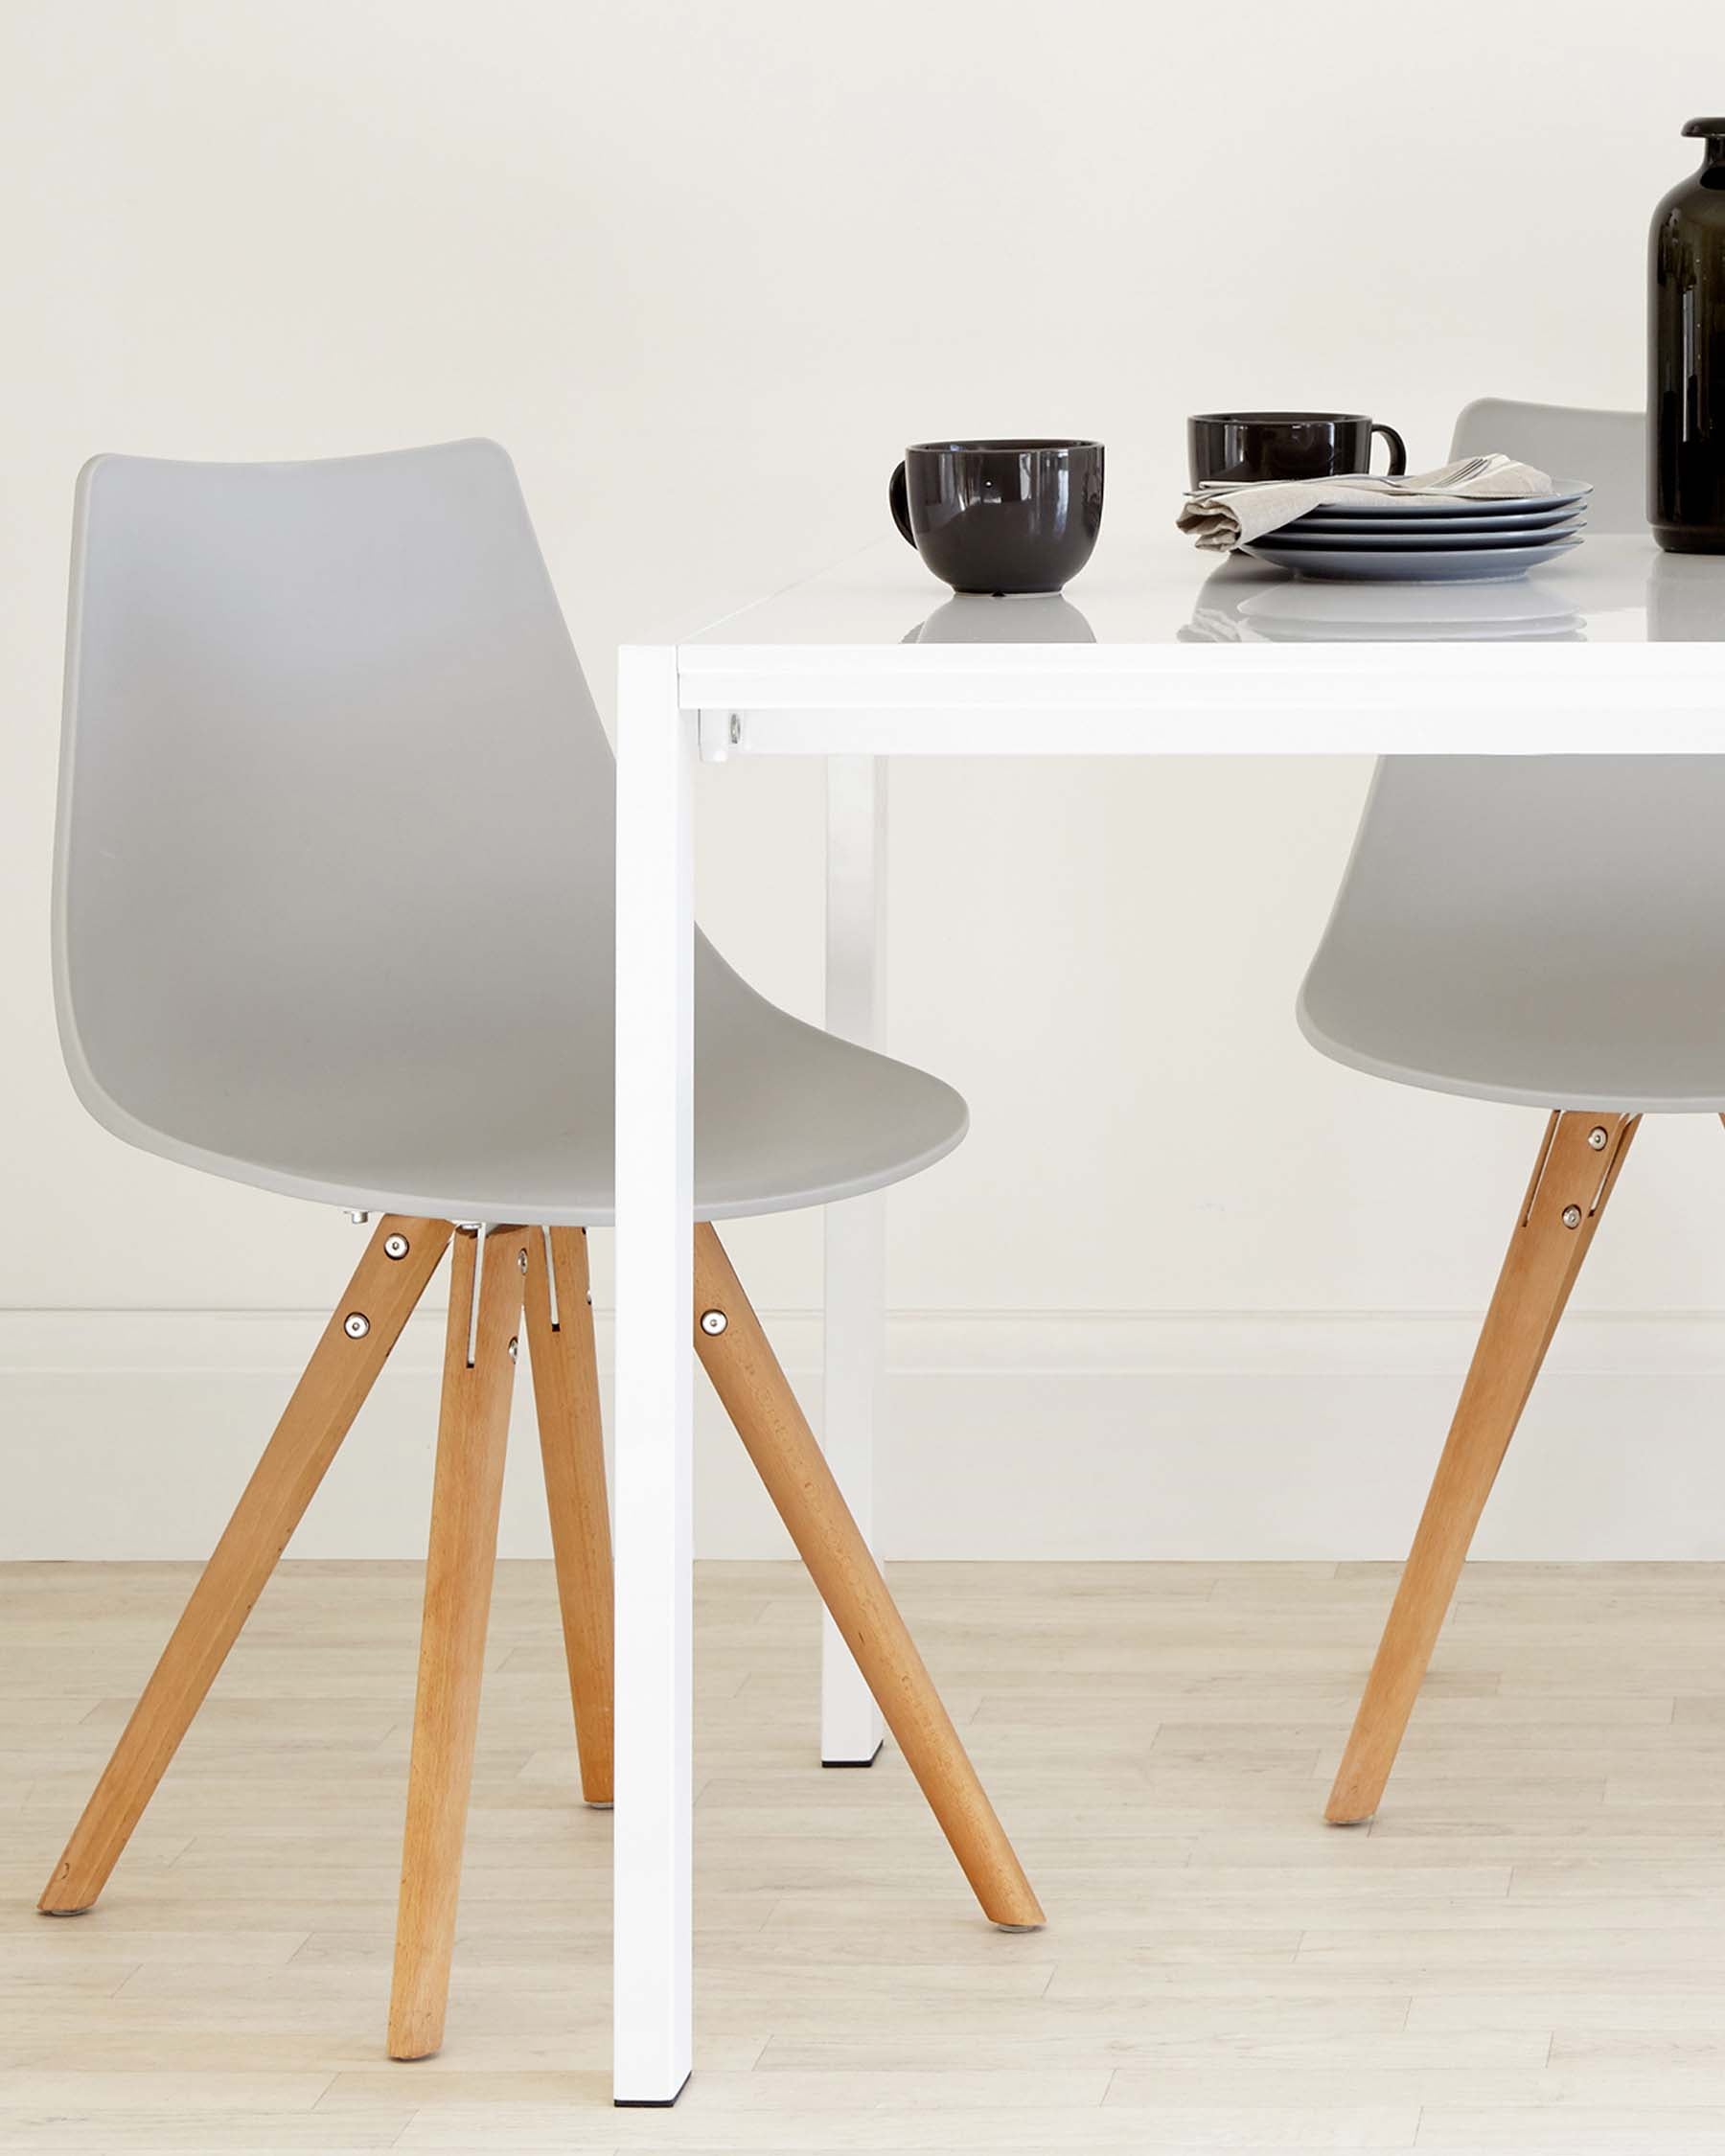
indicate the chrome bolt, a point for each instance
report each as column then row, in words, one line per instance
column 736, row 728
column 358, row 1219
column 1572, row 1216
column 1595, row 1137
column 589, row 1299
column 713, row 1322
column 515, row 1348
column 356, row 1324
column 394, row 1246
column 521, row 1259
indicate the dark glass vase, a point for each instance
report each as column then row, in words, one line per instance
column 1686, row 357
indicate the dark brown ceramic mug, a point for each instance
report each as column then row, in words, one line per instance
column 1234, row 447
column 1001, row 515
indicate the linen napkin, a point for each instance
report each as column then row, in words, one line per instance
column 1227, row 516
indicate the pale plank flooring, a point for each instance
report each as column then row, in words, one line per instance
column 1527, row 1952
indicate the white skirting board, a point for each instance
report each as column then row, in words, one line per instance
column 1007, row 1434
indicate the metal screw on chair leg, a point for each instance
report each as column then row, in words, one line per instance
column 515, row 1348
column 521, row 1259
column 713, row 1322
column 356, row 1324
column 1572, row 1216
column 1597, row 1137
column 394, row 1246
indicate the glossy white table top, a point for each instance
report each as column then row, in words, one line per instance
column 1160, row 590
column 1159, row 648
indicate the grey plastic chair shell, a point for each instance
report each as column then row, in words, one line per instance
column 1570, row 442
column 1543, row 929
column 333, row 876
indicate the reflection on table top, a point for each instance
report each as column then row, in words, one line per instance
column 1611, row 590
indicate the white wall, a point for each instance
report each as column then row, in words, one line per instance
column 705, row 269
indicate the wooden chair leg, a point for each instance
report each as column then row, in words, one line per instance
column 400, row 1259
column 565, row 1395
column 747, row 1379
column 486, row 1281
column 1572, row 1177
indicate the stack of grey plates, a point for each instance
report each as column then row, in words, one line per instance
column 1429, row 538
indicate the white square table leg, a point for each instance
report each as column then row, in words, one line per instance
column 855, row 1003
column 653, row 1847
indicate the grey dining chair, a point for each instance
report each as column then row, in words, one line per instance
column 334, row 916
column 1541, row 930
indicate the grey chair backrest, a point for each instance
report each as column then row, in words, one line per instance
column 1570, row 442
column 1538, row 928
column 335, row 798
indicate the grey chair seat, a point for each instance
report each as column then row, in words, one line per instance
column 1542, row 930
column 335, row 886
column 786, row 1115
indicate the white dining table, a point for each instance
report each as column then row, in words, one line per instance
column 1157, row 650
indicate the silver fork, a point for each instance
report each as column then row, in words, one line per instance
column 1469, row 467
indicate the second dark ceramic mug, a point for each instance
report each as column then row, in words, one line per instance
column 1237, row 446
column 1003, row 516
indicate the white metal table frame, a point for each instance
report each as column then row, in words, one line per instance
column 857, row 703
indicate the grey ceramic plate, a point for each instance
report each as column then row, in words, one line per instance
column 1565, row 494
column 1444, row 535
column 1344, row 522
column 1458, row 565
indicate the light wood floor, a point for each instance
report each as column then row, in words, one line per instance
column 1526, row 1953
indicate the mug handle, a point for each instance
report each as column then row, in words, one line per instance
column 898, row 500
column 1398, row 456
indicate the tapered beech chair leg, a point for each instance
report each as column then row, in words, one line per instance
column 565, row 1394
column 747, row 1379
column 489, row 1272
column 400, row 1259
column 1577, row 1165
